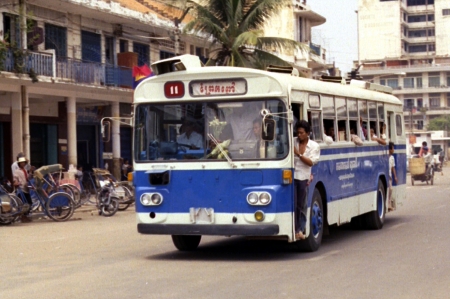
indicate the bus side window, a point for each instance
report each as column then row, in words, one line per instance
column 341, row 113
column 316, row 128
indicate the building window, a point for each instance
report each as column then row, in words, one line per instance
column 392, row 83
column 418, row 48
column 432, row 47
column 123, row 46
column 448, row 79
column 435, row 102
column 91, row 46
column 419, row 82
column 143, row 52
column 165, row 55
column 409, row 103
column 56, row 38
column 448, row 99
column 419, row 103
column 300, row 29
column 420, row 125
column 408, row 82
column 109, row 49
column 434, row 81
column 446, row 12
column 417, row 19
column 419, row 2
column 417, row 33
column 382, row 82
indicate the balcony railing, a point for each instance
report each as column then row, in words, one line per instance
column 72, row 70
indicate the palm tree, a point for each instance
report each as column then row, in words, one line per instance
column 236, row 27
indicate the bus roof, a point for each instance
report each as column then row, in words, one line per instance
column 259, row 84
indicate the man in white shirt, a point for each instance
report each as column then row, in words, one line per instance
column 190, row 137
column 428, row 158
column 306, row 154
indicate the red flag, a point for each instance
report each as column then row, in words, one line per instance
column 140, row 73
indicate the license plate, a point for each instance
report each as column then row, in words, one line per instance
column 201, row 215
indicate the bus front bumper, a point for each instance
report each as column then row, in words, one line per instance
column 212, row 230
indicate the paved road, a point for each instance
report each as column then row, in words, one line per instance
column 98, row 257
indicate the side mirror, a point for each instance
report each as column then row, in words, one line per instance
column 106, row 131
column 268, row 129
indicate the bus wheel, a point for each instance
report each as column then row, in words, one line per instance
column 375, row 219
column 314, row 239
column 186, row 243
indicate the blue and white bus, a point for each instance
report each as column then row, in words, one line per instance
column 238, row 181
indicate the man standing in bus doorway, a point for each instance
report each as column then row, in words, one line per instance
column 306, row 154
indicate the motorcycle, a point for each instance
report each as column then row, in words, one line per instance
column 107, row 200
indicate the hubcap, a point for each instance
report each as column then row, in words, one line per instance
column 316, row 220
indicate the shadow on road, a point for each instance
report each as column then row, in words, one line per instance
column 242, row 249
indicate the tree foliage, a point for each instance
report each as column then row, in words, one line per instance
column 441, row 123
column 236, row 29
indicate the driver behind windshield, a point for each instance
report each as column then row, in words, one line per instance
column 190, row 137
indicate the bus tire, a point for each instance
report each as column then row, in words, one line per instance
column 375, row 219
column 186, row 243
column 316, row 223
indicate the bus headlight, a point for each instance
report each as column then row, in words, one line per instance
column 156, row 199
column 151, row 199
column 264, row 198
column 252, row 198
column 259, row 198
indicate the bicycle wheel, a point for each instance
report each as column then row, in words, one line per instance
column 60, row 206
column 125, row 197
column 12, row 207
column 110, row 209
column 74, row 192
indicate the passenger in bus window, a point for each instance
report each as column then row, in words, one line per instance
column 374, row 137
column 191, row 138
column 241, row 120
column 363, row 132
column 306, row 154
column 330, row 132
column 262, row 145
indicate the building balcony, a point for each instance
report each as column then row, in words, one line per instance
column 416, row 9
column 419, row 39
column 68, row 70
column 421, row 25
column 400, row 90
column 378, row 69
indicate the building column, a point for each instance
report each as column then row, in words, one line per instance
column 26, row 122
column 72, row 130
column 16, row 125
column 115, row 130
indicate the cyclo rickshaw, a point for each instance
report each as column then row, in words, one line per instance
column 420, row 172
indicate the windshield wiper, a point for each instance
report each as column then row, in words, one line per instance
column 222, row 151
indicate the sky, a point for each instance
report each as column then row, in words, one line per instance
column 338, row 35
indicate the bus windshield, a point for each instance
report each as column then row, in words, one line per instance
column 190, row 131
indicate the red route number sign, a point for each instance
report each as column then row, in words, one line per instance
column 174, row 89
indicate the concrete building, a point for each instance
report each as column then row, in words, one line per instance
column 81, row 53
column 295, row 22
column 405, row 44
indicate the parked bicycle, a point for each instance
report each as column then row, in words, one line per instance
column 54, row 202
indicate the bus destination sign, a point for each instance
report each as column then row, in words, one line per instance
column 218, row 87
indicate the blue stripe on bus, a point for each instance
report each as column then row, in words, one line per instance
column 226, row 190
